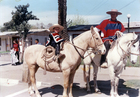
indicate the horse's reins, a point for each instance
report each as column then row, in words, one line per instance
column 96, row 46
column 129, row 47
column 77, row 50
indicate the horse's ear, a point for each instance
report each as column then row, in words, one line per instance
column 119, row 34
column 133, row 32
column 91, row 28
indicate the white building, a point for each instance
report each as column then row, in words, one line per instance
column 6, row 38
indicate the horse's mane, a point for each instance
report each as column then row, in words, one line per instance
column 114, row 43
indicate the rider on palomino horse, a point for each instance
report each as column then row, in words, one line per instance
column 108, row 28
column 55, row 39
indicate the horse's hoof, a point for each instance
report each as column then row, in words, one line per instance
column 31, row 93
column 38, row 95
column 117, row 96
column 98, row 91
column 70, row 96
column 88, row 91
column 65, row 96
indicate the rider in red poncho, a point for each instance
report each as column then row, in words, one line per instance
column 108, row 29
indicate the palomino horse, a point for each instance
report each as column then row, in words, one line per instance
column 69, row 64
column 125, row 45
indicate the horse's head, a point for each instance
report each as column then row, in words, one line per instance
column 96, row 42
column 134, row 50
column 130, row 43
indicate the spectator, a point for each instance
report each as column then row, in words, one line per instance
column 16, row 48
column 13, row 57
column 37, row 41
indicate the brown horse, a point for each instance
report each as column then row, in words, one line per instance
column 33, row 60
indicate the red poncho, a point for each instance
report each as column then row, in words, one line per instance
column 109, row 27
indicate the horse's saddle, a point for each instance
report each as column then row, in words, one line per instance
column 48, row 53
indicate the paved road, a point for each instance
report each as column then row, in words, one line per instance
column 51, row 85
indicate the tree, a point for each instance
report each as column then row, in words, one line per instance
column 62, row 13
column 19, row 22
column 77, row 20
column 49, row 25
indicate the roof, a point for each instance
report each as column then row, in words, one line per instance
column 87, row 27
column 30, row 32
column 38, row 30
column 8, row 33
column 80, row 27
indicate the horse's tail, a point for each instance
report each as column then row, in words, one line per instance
column 26, row 73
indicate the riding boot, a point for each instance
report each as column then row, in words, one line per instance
column 103, row 57
column 57, row 53
column 104, row 65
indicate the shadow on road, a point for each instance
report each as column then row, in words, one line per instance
column 5, row 64
column 104, row 86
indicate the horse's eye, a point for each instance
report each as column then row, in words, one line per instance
column 97, row 38
column 134, row 45
column 128, row 44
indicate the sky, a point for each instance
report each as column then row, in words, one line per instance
column 93, row 11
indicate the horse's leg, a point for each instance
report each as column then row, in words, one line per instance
column 116, row 85
column 112, row 77
column 95, row 71
column 71, row 77
column 87, row 76
column 33, row 70
column 66, row 74
column 30, row 89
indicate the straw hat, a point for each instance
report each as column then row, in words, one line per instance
column 114, row 11
column 56, row 25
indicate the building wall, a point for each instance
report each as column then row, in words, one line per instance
column 137, row 30
column 42, row 36
column 7, row 40
column 41, row 39
column 6, row 43
column 73, row 34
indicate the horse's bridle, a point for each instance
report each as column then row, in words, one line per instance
column 127, row 54
column 96, row 46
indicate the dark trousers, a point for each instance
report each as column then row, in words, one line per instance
column 57, row 49
column 103, row 57
column 17, row 54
